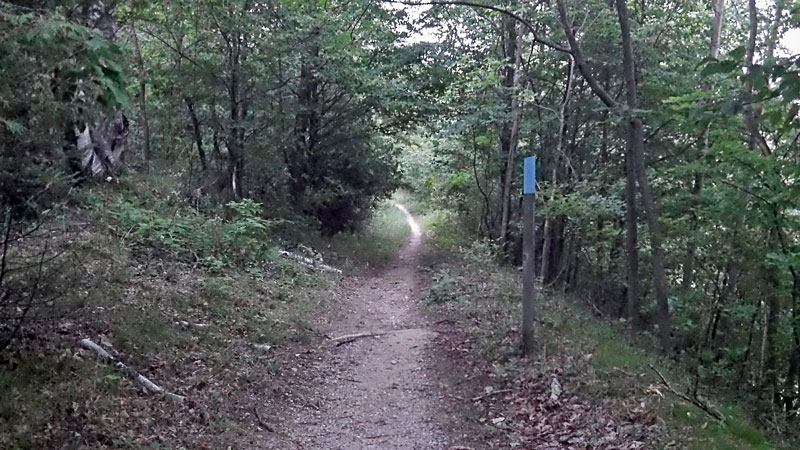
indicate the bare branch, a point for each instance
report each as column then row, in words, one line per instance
column 506, row 12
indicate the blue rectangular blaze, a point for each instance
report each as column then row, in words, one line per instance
column 529, row 185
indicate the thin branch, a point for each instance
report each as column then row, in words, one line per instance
column 506, row 12
column 580, row 59
column 6, row 240
column 704, row 406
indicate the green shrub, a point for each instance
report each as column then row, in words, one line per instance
column 445, row 287
column 211, row 240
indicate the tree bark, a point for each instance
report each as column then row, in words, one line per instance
column 137, row 52
column 236, row 132
column 634, row 158
column 198, row 134
column 632, row 308
column 636, row 149
column 512, row 138
column 546, row 269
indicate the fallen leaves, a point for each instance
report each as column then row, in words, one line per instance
column 541, row 407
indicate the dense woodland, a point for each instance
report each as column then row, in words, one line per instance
column 666, row 135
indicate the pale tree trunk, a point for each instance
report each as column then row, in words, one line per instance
column 238, row 113
column 559, row 153
column 513, row 136
column 772, row 39
column 699, row 176
column 101, row 146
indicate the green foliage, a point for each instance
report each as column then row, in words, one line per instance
column 213, row 241
column 57, row 74
column 383, row 236
column 445, row 287
column 445, row 230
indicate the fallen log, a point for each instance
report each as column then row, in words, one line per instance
column 129, row 371
column 308, row 262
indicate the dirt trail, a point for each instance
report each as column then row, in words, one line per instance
column 378, row 392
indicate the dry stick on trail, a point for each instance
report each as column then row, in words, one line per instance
column 347, row 338
column 491, row 394
column 261, row 421
column 129, row 371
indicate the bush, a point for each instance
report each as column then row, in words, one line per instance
column 446, row 287
column 211, row 240
column 36, row 264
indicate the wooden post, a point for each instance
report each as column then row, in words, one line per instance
column 528, row 256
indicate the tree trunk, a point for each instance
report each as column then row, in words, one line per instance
column 632, row 308
column 546, row 270
column 513, row 135
column 137, row 52
column 198, row 134
column 235, row 134
column 770, row 380
column 636, row 149
column 215, row 145
column 306, row 131
column 101, row 146
column 699, row 176
column 750, row 110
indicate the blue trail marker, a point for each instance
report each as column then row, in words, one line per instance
column 529, row 185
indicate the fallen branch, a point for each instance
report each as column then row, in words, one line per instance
column 129, row 371
column 490, row 394
column 185, row 324
column 261, row 422
column 308, row 262
column 704, row 406
column 347, row 338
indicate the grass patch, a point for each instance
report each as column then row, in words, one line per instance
column 382, row 238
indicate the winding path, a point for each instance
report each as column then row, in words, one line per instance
column 379, row 392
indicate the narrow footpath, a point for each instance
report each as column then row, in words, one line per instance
column 379, row 391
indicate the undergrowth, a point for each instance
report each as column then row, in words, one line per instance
column 196, row 298
column 381, row 239
column 485, row 300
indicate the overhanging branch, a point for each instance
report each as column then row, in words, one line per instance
column 506, row 12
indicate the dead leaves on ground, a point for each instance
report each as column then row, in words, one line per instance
column 519, row 409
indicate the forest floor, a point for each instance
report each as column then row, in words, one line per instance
column 391, row 376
